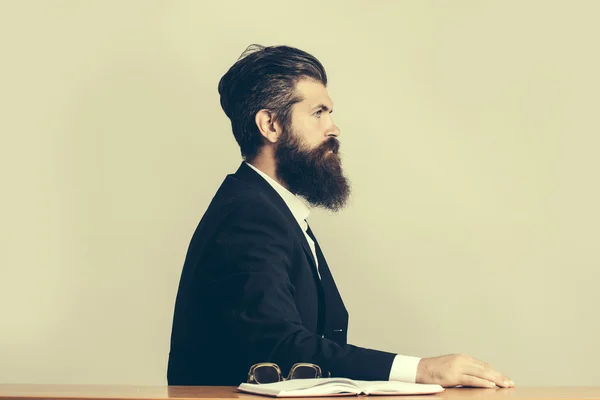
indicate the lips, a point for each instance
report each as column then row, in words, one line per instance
column 332, row 146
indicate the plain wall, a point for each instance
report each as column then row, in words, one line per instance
column 470, row 133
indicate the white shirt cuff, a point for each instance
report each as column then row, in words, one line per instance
column 404, row 368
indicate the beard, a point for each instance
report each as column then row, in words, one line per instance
column 314, row 174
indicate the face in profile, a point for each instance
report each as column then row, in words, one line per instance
column 307, row 154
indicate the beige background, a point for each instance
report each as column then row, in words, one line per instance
column 470, row 132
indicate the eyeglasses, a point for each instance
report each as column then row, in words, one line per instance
column 269, row 373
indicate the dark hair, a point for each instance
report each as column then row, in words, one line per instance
column 264, row 78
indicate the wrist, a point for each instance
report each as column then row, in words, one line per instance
column 422, row 372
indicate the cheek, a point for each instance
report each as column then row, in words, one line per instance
column 310, row 133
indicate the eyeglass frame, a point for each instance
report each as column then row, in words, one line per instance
column 252, row 378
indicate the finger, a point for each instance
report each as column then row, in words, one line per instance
column 469, row 380
column 481, row 363
column 485, row 366
column 488, row 375
column 506, row 381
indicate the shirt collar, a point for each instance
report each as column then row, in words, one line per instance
column 295, row 203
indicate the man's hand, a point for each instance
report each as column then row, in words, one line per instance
column 458, row 369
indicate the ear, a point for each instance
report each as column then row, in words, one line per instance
column 267, row 126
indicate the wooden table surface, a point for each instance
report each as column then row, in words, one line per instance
column 14, row 391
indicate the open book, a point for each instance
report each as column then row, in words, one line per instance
column 337, row 387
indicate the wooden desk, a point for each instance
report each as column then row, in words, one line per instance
column 61, row 392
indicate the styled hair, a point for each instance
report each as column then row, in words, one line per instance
column 264, row 78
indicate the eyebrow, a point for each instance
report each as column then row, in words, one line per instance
column 323, row 107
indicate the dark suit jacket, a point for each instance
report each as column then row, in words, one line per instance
column 249, row 292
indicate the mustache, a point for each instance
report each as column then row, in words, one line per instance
column 330, row 144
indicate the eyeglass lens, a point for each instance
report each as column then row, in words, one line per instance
column 304, row 372
column 266, row 374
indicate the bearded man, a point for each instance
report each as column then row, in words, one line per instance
column 256, row 299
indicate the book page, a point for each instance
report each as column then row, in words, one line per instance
column 337, row 386
column 301, row 387
column 395, row 387
column 330, row 388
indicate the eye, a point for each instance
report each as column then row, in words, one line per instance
column 318, row 113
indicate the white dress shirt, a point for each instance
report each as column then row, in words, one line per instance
column 404, row 368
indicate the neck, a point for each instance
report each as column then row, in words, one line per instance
column 266, row 163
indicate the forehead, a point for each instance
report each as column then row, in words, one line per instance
column 313, row 94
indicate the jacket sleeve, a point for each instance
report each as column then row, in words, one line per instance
column 254, row 246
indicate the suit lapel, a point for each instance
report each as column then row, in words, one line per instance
column 336, row 318
column 247, row 174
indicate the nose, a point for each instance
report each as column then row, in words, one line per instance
column 334, row 131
